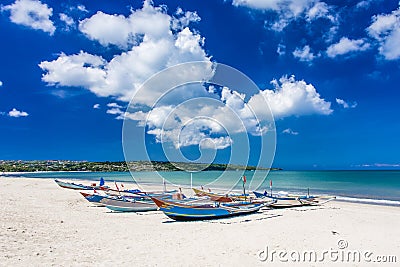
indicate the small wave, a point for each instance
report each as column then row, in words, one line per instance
column 370, row 201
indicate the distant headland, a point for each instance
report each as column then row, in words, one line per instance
column 115, row 166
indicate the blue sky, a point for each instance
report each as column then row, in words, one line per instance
column 329, row 70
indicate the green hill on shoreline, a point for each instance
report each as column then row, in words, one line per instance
column 117, row 166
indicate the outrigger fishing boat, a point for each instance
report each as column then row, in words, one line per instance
column 101, row 187
column 128, row 205
column 284, row 200
column 225, row 197
column 140, row 201
column 190, row 210
column 222, row 198
column 77, row 186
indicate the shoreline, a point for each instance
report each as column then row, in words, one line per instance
column 273, row 169
column 339, row 198
column 44, row 224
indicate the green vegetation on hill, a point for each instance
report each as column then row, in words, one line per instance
column 107, row 166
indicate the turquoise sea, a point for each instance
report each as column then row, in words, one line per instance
column 381, row 187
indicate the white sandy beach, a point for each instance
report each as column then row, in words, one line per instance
column 43, row 224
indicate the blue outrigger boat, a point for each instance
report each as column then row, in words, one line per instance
column 186, row 211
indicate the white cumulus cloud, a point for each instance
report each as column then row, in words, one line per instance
column 81, row 8
column 304, row 54
column 16, row 113
column 31, row 13
column 194, row 133
column 385, row 29
column 113, row 105
column 115, row 111
column 150, row 40
column 345, row 46
column 184, row 18
column 69, row 21
column 149, row 23
column 209, row 122
column 290, row 10
column 345, row 104
column 365, row 4
column 290, row 131
column 81, row 69
column 96, row 106
column 291, row 98
column 294, row 6
column 102, row 27
column 149, row 44
column 319, row 10
column 194, row 121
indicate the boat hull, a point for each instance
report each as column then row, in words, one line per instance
column 93, row 198
column 293, row 201
column 220, row 197
column 182, row 212
column 121, row 205
column 73, row 185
